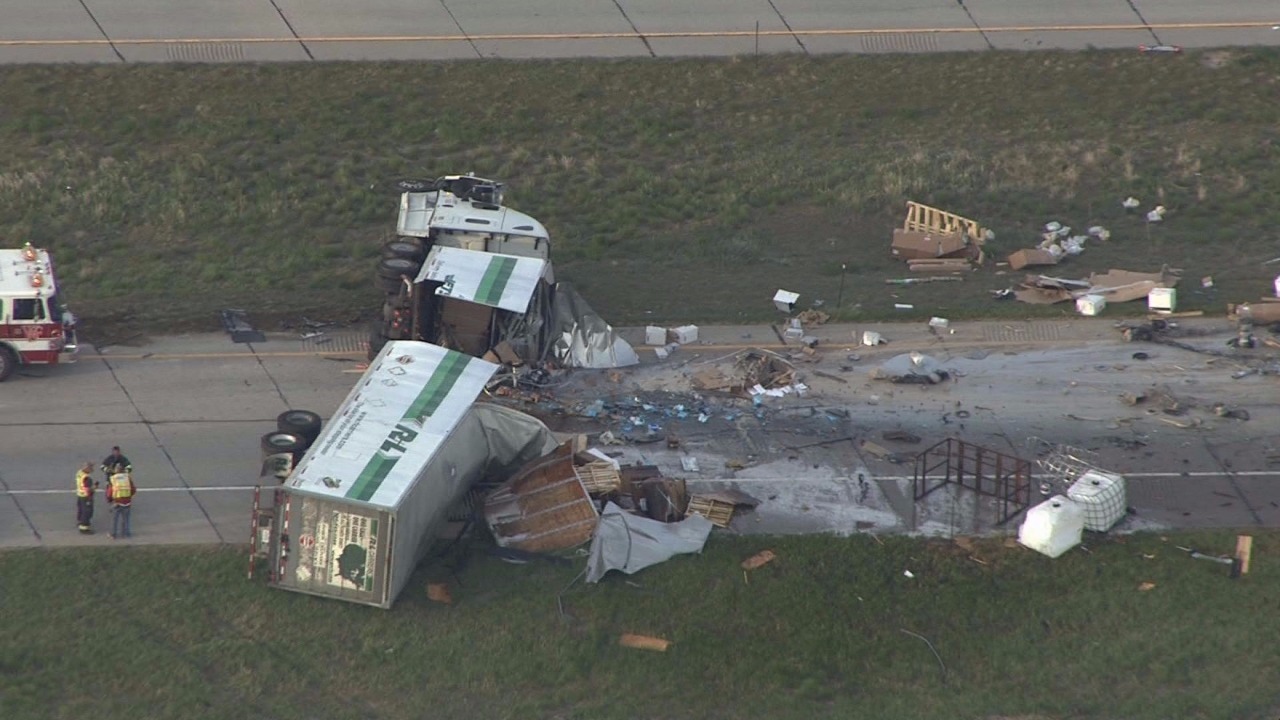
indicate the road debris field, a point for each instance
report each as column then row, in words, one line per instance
column 824, row 439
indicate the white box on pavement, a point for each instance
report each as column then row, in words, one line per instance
column 685, row 334
column 1053, row 527
column 655, row 335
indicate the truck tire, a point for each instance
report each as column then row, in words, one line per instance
column 391, row 270
column 302, row 423
column 8, row 362
column 395, row 267
column 408, row 248
column 283, row 442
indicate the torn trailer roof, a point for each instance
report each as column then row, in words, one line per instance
column 366, row 502
column 503, row 281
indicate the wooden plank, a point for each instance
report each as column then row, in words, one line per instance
column 1244, row 551
column 644, row 642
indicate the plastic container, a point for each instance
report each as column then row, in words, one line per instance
column 1091, row 305
column 686, row 334
column 1104, row 498
column 1162, row 299
column 1053, row 527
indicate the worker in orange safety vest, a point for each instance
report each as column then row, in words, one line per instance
column 85, row 487
column 120, row 494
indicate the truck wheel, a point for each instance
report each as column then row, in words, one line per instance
column 303, row 423
column 410, row 249
column 8, row 362
column 283, row 442
column 394, row 267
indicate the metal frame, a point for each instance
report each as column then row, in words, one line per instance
column 986, row 472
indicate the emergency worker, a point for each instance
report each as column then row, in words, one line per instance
column 85, row 486
column 116, row 460
column 120, row 492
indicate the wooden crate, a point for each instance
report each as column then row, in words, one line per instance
column 719, row 513
column 599, row 477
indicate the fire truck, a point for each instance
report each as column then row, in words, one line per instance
column 35, row 327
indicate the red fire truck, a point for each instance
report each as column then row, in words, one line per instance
column 35, row 328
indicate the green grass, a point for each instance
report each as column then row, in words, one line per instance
column 682, row 190
column 179, row 633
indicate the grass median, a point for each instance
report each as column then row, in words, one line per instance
column 682, row 190
column 830, row 629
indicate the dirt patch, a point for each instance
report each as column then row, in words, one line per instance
column 1215, row 59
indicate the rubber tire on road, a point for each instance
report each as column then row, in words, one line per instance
column 283, row 442
column 303, row 423
column 409, row 249
column 8, row 362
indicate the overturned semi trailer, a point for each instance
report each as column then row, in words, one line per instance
column 477, row 301
column 366, row 502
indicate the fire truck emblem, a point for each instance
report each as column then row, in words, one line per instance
column 31, row 331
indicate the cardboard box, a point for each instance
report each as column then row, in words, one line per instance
column 1162, row 299
column 1027, row 258
column 1091, row 305
column 785, row 301
column 684, row 334
column 913, row 245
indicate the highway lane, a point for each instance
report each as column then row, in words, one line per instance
column 304, row 30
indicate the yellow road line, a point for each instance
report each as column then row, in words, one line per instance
column 846, row 32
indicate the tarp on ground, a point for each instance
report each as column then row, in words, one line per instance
column 580, row 338
column 631, row 543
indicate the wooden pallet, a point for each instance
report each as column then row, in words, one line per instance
column 599, row 477
column 719, row 513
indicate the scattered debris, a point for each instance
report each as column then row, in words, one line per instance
column 901, row 436
column 630, row 543
column 1130, row 203
column 785, row 301
column 932, row 649
column 1053, row 527
column 930, row 233
column 1145, row 586
column 1030, row 258
column 920, row 280
column 237, row 324
column 439, row 592
column 812, row 317
column 644, row 642
column 911, row 368
column 870, row 338
column 760, row 559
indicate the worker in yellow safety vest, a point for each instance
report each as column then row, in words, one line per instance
column 120, row 494
column 85, row 487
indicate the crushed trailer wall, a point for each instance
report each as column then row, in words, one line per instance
column 351, row 551
column 368, row 499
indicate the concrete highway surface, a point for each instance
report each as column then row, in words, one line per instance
column 40, row 31
column 189, row 412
